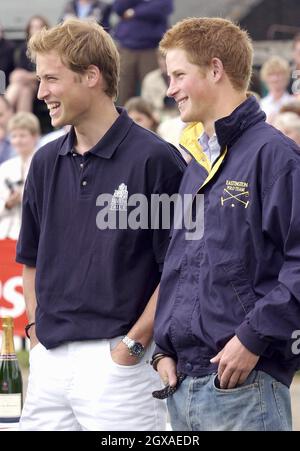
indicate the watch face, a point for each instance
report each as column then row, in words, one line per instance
column 137, row 349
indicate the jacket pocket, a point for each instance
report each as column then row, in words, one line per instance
column 241, row 285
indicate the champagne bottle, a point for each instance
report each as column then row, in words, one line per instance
column 10, row 376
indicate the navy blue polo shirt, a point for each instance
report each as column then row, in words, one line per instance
column 92, row 283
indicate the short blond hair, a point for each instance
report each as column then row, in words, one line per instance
column 80, row 43
column 274, row 65
column 26, row 121
column 206, row 38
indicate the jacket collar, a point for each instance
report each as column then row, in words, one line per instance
column 230, row 128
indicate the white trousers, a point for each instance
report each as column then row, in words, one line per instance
column 77, row 386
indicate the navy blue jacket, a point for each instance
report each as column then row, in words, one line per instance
column 243, row 276
column 146, row 28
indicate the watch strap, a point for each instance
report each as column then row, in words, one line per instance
column 128, row 341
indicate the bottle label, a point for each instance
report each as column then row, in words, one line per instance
column 8, row 357
column 10, row 405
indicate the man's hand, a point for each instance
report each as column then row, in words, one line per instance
column 166, row 368
column 235, row 363
column 120, row 355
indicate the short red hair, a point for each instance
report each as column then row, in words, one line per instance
column 206, row 38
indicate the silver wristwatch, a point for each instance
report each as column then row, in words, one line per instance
column 135, row 348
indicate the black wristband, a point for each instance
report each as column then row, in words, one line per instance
column 27, row 327
column 156, row 359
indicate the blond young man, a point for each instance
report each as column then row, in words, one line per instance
column 229, row 304
column 90, row 290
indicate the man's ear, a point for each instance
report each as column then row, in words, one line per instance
column 216, row 69
column 93, row 75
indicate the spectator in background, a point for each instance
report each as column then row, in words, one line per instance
column 22, row 83
column 289, row 124
column 154, row 90
column 6, row 55
column 142, row 24
column 24, row 131
column 275, row 73
column 6, row 150
column 88, row 9
column 142, row 113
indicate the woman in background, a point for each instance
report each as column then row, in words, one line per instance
column 24, row 130
column 275, row 73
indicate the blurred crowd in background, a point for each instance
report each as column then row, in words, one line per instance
column 24, row 120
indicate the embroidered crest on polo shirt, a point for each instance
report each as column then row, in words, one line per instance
column 120, row 198
column 235, row 194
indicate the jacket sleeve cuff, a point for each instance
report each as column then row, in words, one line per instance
column 251, row 339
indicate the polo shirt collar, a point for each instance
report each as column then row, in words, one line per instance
column 109, row 143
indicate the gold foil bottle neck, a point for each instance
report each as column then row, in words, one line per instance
column 7, row 321
column 8, row 347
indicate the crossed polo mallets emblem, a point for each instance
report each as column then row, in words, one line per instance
column 235, row 197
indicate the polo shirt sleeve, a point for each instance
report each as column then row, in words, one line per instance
column 275, row 317
column 27, row 246
column 169, row 172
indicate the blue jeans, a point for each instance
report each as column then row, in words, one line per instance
column 260, row 404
